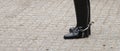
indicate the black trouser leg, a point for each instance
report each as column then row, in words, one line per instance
column 82, row 9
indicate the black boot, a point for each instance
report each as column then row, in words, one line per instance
column 78, row 32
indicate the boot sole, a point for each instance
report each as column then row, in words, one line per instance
column 76, row 37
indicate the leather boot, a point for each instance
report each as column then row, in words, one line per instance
column 75, row 33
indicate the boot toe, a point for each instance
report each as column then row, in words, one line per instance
column 70, row 36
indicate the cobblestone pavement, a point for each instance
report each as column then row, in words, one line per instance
column 39, row 25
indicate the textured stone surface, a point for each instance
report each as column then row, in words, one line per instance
column 27, row 25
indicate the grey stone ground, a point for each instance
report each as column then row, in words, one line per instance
column 27, row 25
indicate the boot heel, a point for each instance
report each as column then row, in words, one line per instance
column 87, row 33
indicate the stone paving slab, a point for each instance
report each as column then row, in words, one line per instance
column 27, row 25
